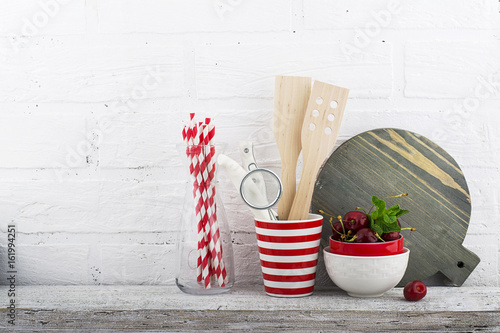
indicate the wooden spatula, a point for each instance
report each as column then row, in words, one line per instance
column 319, row 134
column 291, row 94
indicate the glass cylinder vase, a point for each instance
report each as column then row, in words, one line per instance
column 205, row 264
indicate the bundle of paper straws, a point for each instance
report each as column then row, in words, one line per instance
column 200, row 151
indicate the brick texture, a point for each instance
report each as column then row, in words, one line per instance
column 93, row 96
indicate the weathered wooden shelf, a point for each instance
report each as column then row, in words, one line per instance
column 246, row 308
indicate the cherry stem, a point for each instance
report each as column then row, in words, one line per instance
column 331, row 220
column 341, row 223
column 321, row 211
column 391, row 196
column 396, row 196
column 380, row 238
column 352, row 239
column 360, row 208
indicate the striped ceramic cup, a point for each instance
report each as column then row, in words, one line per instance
column 288, row 253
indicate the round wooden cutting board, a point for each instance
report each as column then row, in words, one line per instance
column 387, row 161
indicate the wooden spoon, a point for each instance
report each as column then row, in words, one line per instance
column 291, row 94
column 319, row 133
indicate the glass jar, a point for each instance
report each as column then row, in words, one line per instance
column 205, row 264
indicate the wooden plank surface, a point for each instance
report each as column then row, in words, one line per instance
column 256, row 321
column 246, row 308
column 387, row 162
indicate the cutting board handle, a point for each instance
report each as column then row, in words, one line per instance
column 458, row 264
column 450, row 258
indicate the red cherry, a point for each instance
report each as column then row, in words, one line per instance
column 415, row 290
column 337, row 230
column 355, row 220
column 365, row 235
column 390, row 236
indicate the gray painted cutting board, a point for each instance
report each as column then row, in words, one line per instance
column 389, row 161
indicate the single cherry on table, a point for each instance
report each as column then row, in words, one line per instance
column 415, row 290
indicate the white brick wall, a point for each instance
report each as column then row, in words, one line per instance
column 93, row 95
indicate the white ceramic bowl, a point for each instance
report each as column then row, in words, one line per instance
column 366, row 276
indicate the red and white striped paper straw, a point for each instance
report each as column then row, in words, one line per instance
column 201, row 208
column 200, row 151
column 199, row 193
column 214, row 244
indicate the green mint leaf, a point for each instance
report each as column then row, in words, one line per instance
column 402, row 212
column 372, row 220
column 384, row 220
column 378, row 229
column 394, row 210
column 389, row 219
column 390, row 227
column 380, row 204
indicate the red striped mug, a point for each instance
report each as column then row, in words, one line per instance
column 288, row 252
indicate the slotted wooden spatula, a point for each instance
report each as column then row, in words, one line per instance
column 320, row 129
column 291, row 94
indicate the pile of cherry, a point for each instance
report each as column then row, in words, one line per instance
column 355, row 227
column 379, row 224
